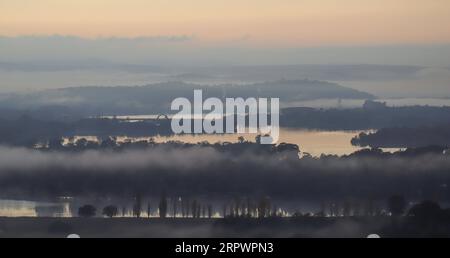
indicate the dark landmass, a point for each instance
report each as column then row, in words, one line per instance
column 27, row 131
column 403, row 137
column 418, row 126
column 156, row 98
column 373, row 115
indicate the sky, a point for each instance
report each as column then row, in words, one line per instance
column 36, row 34
column 266, row 23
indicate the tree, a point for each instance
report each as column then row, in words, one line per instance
column 81, row 142
column 87, row 211
column 426, row 210
column 182, row 206
column 337, row 210
column 110, row 142
column 224, row 210
column 347, row 209
column 194, row 209
column 55, row 143
column 237, row 206
column 369, row 208
column 249, row 208
column 199, row 208
column 397, row 205
column 137, row 208
column 274, row 211
column 264, row 207
column 175, row 206
column 110, row 211
column 210, row 211
column 188, row 208
column 297, row 214
column 163, row 206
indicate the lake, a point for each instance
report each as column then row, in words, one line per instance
column 312, row 142
column 19, row 208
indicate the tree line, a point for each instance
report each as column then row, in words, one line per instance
column 246, row 208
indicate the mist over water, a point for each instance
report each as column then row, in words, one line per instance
column 204, row 171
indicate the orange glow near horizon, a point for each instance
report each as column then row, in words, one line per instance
column 250, row 22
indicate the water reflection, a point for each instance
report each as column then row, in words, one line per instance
column 312, row 142
column 19, row 208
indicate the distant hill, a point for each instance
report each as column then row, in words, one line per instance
column 156, row 98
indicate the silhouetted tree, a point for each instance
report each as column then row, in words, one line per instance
column 183, row 208
column 87, row 211
column 55, row 143
column 149, row 211
column 322, row 211
column 175, row 205
column 397, row 205
column 109, row 142
column 199, row 208
column 347, row 209
column 249, row 208
column 224, row 211
column 368, row 208
column 297, row 214
column 194, row 209
column 378, row 211
column 237, row 206
column 110, row 211
column 264, row 208
column 274, row 211
column 337, row 210
column 163, row 206
column 426, row 210
column 137, row 208
column 332, row 209
column 231, row 210
column 210, row 211
column 81, row 143
column 188, row 207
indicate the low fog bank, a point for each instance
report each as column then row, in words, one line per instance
column 203, row 171
column 195, row 228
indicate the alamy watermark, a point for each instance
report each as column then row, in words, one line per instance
column 234, row 112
